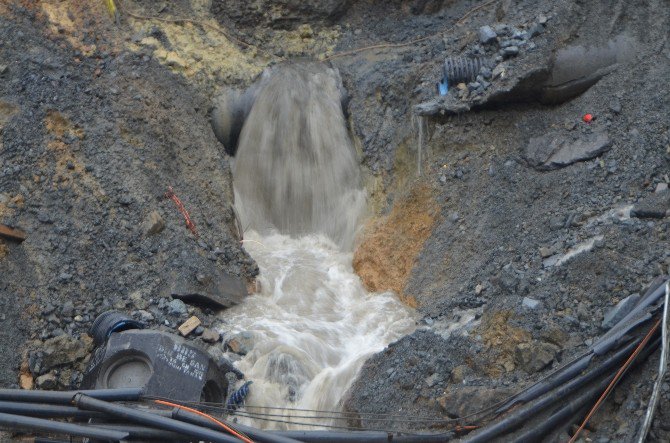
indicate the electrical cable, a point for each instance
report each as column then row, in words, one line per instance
column 662, row 366
column 228, row 428
column 615, row 380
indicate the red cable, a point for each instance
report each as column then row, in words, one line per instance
column 180, row 206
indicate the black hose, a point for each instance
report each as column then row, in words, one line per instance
column 146, row 418
column 46, row 411
column 573, row 406
column 33, row 424
column 524, row 413
column 65, row 397
column 141, row 432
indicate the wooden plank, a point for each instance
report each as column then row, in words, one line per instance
column 189, row 326
column 14, row 234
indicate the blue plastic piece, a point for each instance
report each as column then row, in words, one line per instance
column 237, row 399
column 443, row 86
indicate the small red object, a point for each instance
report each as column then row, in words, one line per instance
column 587, row 118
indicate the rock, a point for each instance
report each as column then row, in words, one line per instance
column 138, row 300
column 153, row 224
column 210, row 335
column 530, row 303
column 64, row 350
column 536, row 30
column 615, row 106
column 145, row 316
column 241, row 343
column 555, row 150
column 460, row 401
column 459, row 373
column 487, row 35
column 189, row 326
column 545, row 252
column 498, row 71
column 618, row 312
column 535, row 356
column 509, row 51
column 661, row 187
column 177, row 307
column 214, row 289
column 26, row 380
column 67, row 310
column 433, row 379
column 46, row 381
column 653, row 206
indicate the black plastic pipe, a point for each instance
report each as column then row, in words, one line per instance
column 33, row 424
column 526, row 412
column 573, row 406
column 46, row 410
column 65, row 397
column 146, row 418
column 141, row 432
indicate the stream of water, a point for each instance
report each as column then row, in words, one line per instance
column 298, row 192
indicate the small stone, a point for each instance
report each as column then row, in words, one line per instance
column 545, row 252
column 542, row 19
column 478, row 289
column 498, row 71
column 241, row 344
column 153, row 224
column 189, row 325
column 26, row 381
column 198, row 331
column 486, row 72
column 44, row 217
column 661, row 187
column 615, row 106
column 177, row 307
column 145, row 316
column 432, row 380
column 536, row 30
column 510, row 51
column 487, row 35
column 138, row 300
column 67, row 310
column 210, row 335
column 530, row 303
column 46, row 381
column 535, row 356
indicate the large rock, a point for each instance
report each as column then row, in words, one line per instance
column 460, row 401
column 535, row 356
column 65, row 350
column 557, row 150
column 214, row 289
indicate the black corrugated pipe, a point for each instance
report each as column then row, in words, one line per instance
column 33, row 424
column 46, row 411
column 524, row 413
column 65, row 397
column 146, row 418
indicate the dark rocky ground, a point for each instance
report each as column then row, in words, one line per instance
column 91, row 143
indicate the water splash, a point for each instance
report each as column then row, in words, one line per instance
column 296, row 169
column 297, row 187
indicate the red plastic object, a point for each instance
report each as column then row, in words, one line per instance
column 587, row 118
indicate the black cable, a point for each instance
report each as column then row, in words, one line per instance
column 65, row 397
column 529, row 410
column 32, row 424
column 146, row 418
column 46, row 411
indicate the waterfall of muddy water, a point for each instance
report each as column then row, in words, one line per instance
column 297, row 187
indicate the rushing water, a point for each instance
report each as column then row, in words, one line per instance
column 298, row 193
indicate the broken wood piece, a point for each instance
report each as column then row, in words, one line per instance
column 189, row 326
column 14, row 234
